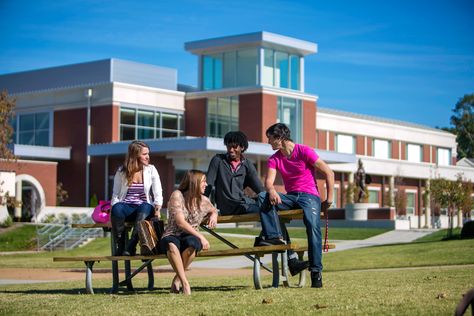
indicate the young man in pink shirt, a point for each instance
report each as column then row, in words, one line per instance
column 297, row 165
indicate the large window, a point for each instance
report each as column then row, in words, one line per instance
column 381, row 148
column 345, row 144
column 230, row 69
column 289, row 113
column 222, row 115
column 374, row 196
column 32, row 129
column 281, row 69
column 444, row 156
column 414, row 153
column 411, row 203
column 144, row 124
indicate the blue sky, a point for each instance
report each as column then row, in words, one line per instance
column 405, row 60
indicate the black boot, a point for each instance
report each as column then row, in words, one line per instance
column 118, row 233
column 316, row 279
column 296, row 266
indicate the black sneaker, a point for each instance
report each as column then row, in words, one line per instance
column 316, row 279
column 296, row 266
column 259, row 242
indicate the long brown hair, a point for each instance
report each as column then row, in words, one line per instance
column 132, row 162
column 191, row 185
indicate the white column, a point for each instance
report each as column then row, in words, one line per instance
column 392, row 190
column 350, row 181
column 302, row 74
column 18, row 203
column 428, row 204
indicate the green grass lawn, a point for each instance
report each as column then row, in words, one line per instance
column 18, row 239
column 428, row 291
column 335, row 233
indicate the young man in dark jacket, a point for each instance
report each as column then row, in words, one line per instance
column 229, row 175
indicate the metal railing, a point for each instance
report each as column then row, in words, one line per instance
column 54, row 236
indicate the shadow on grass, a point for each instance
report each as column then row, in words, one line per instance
column 99, row 290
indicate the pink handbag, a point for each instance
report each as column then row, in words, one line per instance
column 101, row 213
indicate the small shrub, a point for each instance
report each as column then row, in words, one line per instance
column 50, row 218
column 7, row 222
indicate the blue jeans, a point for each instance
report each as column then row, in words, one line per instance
column 311, row 205
column 131, row 212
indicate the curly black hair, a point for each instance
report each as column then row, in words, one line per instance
column 236, row 138
column 279, row 131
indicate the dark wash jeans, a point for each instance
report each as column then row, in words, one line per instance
column 311, row 205
column 132, row 212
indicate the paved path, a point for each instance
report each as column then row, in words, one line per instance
column 391, row 237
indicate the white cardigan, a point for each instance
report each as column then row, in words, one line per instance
column 151, row 179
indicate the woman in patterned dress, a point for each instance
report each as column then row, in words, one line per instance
column 187, row 208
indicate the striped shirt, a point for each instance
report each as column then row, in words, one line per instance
column 135, row 194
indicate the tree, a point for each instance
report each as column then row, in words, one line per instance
column 452, row 195
column 463, row 121
column 7, row 105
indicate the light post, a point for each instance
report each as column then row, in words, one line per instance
column 88, row 142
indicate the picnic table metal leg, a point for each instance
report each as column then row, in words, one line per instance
column 231, row 245
column 276, row 270
column 302, row 279
column 151, row 277
column 284, row 269
column 89, row 265
column 256, row 273
column 128, row 272
column 134, row 273
column 115, row 272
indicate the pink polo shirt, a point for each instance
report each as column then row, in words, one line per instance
column 298, row 170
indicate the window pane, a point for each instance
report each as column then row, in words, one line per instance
column 345, row 144
column 127, row 133
column 234, row 119
column 373, row 196
column 42, row 138
column 247, row 66
column 289, row 114
column 169, row 134
column 295, row 72
column 145, row 118
column 127, row 116
column 444, row 157
column 157, row 120
column 27, row 138
column 381, row 149
column 27, row 122
column 181, row 124
column 281, row 69
column 414, row 153
column 267, row 74
column 410, row 203
column 42, row 121
column 230, row 61
column 212, row 116
column 145, row 133
column 223, row 115
column 207, row 73
column 170, row 121
column 217, row 71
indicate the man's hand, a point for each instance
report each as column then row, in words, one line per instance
column 325, row 205
column 275, row 198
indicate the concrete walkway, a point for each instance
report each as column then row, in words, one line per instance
column 391, row 237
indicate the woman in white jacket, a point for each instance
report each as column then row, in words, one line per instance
column 131, row 200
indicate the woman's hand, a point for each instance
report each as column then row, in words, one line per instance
column 212, row 220
column 204, row 242
column 157, row 211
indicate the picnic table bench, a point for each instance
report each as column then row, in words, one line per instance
column 253, row 253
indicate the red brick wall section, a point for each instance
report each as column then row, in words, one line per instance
column 44, row 172
column 360, row 148
column 104, row 124
column 269, row 113
column 332, row 145
column 195, row 117
column 70, row 130
column 321, row 139
column 403, row 155
column 380, row 213
column 369, row 146
column 251, row 116
column 426, row 153
column 309, row 123
column 395, row 153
